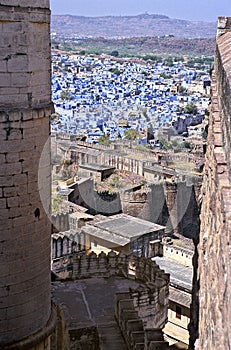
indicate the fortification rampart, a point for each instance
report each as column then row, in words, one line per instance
column 60, row 221
column 132, row 325
column 215, row 235
column 26, row 317
column 144, row 306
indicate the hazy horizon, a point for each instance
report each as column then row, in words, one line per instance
column 195, row 10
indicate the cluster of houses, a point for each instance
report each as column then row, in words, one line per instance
column 95, row 96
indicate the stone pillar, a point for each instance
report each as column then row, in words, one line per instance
column 26, row 316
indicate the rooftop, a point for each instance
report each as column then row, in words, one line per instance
column 96, row 167
column 179, row 274
column 125, row 226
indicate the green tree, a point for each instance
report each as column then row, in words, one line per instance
column 115, row 53
column 165, row 143
column 65, row 95
column 131, row 134
column 114, row 180
column 205, row 132
column 104, row 140
column 115, row 71
column 191, row 108
column 186, row 144
column 181, row 90
column 165, row 76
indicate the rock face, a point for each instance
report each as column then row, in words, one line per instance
column 214, row 262
column 25, row 107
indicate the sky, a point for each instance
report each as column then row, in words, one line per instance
column 195, row 10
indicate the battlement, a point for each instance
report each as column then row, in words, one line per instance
column 80, row 266
column 134, row 328
column 141, row 307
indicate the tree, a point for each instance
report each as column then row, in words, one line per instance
column 191, row 108
column 181, row 90
column 205, row 132
column 165, row 75
column 65, row 95
column 169, row 61
column 186, row 144
column 104, row 140
column 115, row 71
column 131, row 134
column 164, row 143
column 115, row 53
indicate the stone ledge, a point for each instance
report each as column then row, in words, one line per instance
column 25, row 5
column 25, row 114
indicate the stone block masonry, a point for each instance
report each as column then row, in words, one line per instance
column 214, row 261
column 24, row 54
column 26, row 315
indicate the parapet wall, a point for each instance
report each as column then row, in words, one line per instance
column 141, row 312
column 131, row 266
column 132, row 325
column 60, row 221
column 215, row 235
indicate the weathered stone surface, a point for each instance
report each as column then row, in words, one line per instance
column 214, row 270
column 25, row 108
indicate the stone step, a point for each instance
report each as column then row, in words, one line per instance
column 110, row 337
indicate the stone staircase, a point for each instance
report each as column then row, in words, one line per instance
column 110, row 337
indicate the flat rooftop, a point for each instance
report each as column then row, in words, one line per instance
column 127, row 225
column 96, row 167
column 120, row 228
column 179, row 274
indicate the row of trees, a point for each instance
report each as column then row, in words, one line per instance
column 130, row 135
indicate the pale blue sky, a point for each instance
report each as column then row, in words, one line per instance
column 206, row 10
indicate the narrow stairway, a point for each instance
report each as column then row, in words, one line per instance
column 110, row 337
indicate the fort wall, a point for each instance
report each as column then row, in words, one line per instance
column 214, row 272
column 140, row 311
column 26, row 316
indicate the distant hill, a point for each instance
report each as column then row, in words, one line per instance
column 130, row 26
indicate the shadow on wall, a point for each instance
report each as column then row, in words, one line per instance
column 174, row 205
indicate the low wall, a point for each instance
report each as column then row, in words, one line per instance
column 132, row 326
column 137, row 309
column 178, row 254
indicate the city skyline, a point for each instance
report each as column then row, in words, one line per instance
column 208, row 10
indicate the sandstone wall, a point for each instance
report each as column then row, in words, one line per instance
column 215, row 236
column 25, row 107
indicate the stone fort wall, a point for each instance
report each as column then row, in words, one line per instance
column 144, row 306
column 214, row 272
column 25, row 107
